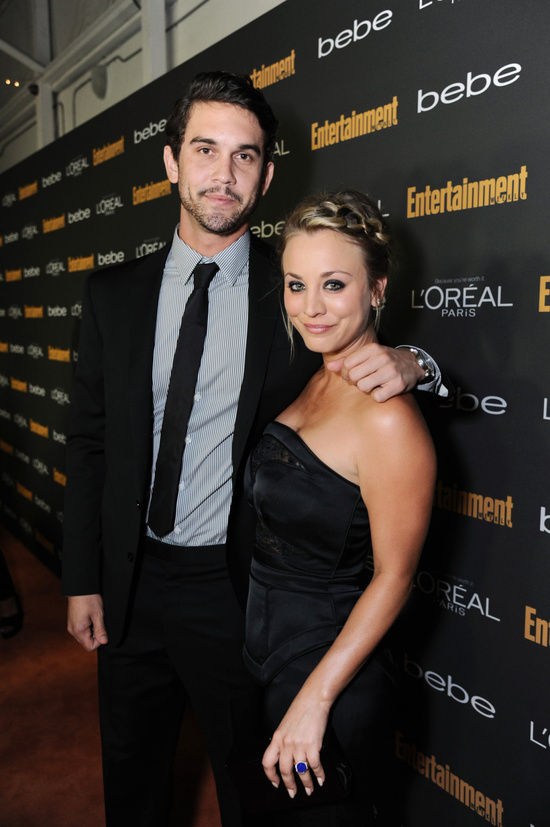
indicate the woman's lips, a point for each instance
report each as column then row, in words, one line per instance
column 318, row 328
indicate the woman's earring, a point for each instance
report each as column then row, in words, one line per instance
column 377, row 310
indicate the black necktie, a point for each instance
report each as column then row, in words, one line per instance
column 179, row 402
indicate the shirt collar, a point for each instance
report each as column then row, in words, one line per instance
column 231, row 261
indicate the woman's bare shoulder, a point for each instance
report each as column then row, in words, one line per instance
column 394, row 414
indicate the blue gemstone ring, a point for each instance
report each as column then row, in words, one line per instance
column 301, row 767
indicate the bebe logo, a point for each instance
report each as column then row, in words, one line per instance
column 360, row 30
column 455, row 91
column 109, row 258
column 36, row 390
column 149, row 131
column 53, row 178
column 452, row 690
column 266, row 230
column 79, row 215
column 42, row 504
column 57, row 311
column 30, row 272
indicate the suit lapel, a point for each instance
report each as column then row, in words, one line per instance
column 143, row 294
column 263, row 310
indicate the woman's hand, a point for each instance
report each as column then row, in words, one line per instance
column 299, row 737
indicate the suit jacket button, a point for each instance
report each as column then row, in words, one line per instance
column 130, row 557
column 138, row 504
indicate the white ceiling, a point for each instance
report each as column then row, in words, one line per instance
column 41, row 30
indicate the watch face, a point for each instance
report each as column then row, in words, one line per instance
column 425, row 362
column 427, row 366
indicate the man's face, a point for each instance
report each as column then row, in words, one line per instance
column 220, row 173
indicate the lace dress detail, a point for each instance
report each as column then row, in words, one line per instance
column 272, row 450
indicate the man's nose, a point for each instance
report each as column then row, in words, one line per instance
column 224, row 170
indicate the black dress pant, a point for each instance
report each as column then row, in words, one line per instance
column 184, row 642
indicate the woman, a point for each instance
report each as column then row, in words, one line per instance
column 335, row 474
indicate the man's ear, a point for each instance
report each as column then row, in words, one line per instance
column 268, row 176
column 171, row 165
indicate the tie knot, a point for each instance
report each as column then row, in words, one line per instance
column 204, row 273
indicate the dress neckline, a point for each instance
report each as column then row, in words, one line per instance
column 312, row 453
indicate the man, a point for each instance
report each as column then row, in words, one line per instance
column 160, row 604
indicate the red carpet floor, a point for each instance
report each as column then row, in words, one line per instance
column 50, row 768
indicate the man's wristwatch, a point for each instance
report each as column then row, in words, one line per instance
column 425, row 363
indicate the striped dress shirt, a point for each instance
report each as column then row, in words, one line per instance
column 205, row 490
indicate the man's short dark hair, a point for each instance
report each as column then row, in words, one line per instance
column 221, row 87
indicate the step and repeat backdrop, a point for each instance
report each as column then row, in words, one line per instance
column 439, row 109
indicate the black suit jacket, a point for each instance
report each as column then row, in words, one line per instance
column 109, row 447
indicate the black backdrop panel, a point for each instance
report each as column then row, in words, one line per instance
column 438, row 108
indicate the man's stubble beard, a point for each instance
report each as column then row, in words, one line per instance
column 217, row 222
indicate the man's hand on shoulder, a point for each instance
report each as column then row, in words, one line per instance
column 382, row 371
column 85, row 620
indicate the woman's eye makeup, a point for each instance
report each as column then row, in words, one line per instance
column 334, row 285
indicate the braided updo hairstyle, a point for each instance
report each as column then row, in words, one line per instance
column 355, row 216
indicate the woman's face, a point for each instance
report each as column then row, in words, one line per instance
column 327, row 293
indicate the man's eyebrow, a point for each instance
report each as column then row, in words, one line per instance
column 199, row 140
column 254, row 147
column 211, row 142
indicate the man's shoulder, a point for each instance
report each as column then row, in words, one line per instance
column 264, row 252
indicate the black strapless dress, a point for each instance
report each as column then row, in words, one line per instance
column 308, row 570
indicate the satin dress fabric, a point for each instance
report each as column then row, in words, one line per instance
column 309, row 568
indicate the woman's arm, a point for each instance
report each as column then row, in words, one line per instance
column 396, row 469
